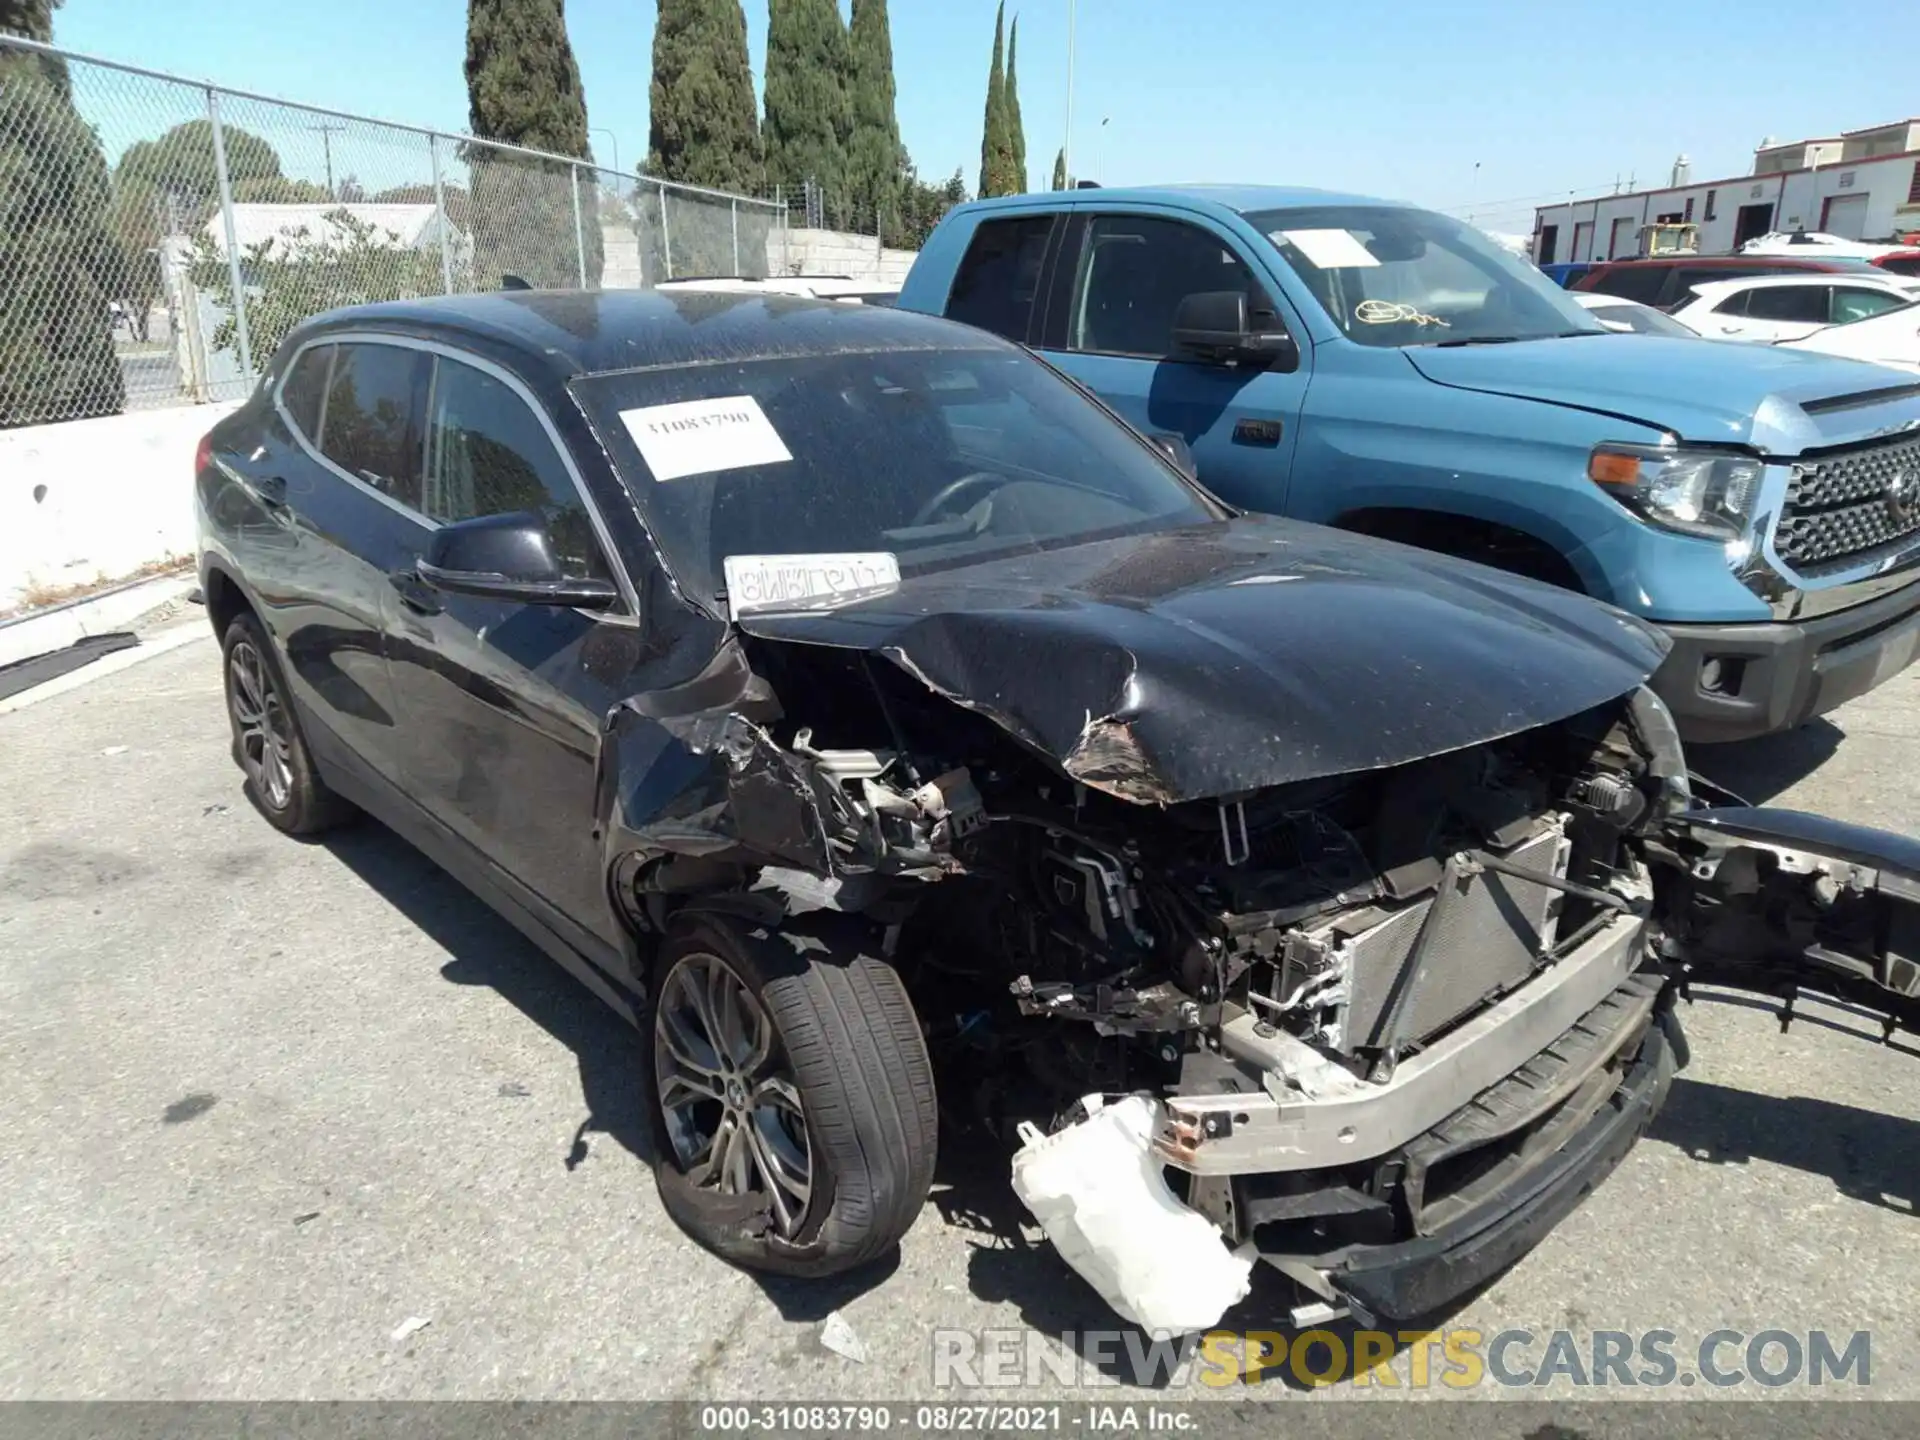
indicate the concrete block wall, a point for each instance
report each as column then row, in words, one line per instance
column 834, row 252
column 97, row 500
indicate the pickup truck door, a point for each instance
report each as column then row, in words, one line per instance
column 1109, row 323
column 1777, row 901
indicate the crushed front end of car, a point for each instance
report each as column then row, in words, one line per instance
column 1373, row 877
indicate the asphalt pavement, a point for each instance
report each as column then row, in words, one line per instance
column 304, row 1120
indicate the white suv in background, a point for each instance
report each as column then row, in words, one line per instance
column 1773, row 308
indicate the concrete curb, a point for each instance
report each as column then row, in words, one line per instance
column 58, row 626
column 159, row 643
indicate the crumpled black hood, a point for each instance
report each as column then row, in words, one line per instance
column 1227, row 657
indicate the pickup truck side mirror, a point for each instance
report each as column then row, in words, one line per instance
column 507, row 557
column 1213, row 326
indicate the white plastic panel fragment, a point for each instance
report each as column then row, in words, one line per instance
column 1103, row 1200
column 800, row 582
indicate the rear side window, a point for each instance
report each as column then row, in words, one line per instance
column 1794, row 304
column 306, row 386
column 369, row 428
column 1000, row 276
column 488, row 454
column 1631, row 282
column 1734, row 304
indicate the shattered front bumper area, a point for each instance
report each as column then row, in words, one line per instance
column 1476, row 1145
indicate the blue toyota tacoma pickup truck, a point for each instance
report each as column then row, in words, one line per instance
column 1379, row 367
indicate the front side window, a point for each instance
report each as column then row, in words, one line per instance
column 999, row 279
column 488, row 454
column 368, row 428
column 939, row 458
column 1855, row 303
column 1135, row 270
column 1391, row 277
column 1789, row 304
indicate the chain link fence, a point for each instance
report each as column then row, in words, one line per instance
column 159, row 237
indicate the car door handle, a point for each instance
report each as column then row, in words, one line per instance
column 269, row 490
column 414, row 592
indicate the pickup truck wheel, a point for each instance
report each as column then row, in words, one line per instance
column 794, row 1100
column 267, row 742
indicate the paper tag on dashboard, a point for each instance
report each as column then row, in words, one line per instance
column 790, row 582
column 1331, row 249
column 698, row 437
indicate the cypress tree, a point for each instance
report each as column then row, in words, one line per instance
column 58, row 266
column 704, row 130
column 705, row 122
column 1016, row 132
column 1060, row 169
column 809, row 102
column 993, row 127
column 523, row 88
column 876, row 161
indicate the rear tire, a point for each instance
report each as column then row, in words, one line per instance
column 268, row 745
column 806, row 1148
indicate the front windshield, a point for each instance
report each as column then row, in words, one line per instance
column 1392, row 277
column 931, row 458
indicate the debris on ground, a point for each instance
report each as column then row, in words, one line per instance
column 410, row 1327
column 839, row 1336
column 304, row 1218
column 513, row 1090
column 115, row 750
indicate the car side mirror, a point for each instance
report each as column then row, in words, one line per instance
column 1175, row 449
column 1213, row 326
column 507, row 557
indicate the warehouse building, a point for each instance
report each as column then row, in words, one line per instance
column 1863, row 185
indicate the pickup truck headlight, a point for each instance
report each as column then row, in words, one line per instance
column 1696, row 492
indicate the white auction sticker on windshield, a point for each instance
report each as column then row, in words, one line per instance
column 1331, row 249
column 761, row 582
column 698, row 437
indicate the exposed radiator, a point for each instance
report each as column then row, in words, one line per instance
column 1492, row 931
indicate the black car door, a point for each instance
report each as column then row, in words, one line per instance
column 502, row 703
column 330, row 473
column 1778, row 901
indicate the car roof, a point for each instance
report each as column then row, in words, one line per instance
column 564, row 333
column 1899, row 284
column 1239, row 199
column 1783, row 262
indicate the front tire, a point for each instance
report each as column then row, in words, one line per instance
column 793, row 1095
column 267, row 742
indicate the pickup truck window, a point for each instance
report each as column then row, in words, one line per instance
column 1134, row 271
column 999, row 277
column 1393, row 277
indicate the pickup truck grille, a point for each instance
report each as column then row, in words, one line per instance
column 1844, row 506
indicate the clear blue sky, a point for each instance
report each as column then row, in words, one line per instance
column 1402, row 99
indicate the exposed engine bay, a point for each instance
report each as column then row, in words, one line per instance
column 1365, row 1007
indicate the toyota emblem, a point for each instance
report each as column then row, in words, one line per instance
column 1903, row 496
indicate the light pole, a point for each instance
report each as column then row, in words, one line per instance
column 327, row 132
column 1066, row 148
column 613, row 140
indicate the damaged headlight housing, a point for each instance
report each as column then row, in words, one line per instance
column 1709, row 493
